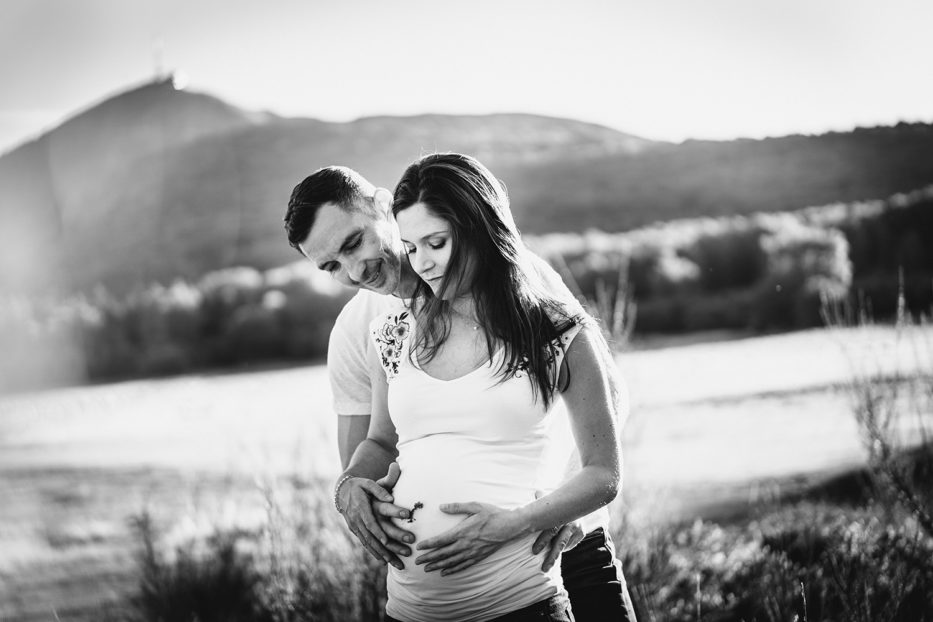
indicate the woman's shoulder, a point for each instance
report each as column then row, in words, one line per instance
column 568, row 321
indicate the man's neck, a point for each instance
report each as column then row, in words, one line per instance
column 407, row 282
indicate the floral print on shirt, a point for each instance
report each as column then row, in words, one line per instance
column 389, row 339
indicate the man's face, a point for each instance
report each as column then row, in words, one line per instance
column 359, row 248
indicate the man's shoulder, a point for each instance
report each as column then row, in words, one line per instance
column 360, row 310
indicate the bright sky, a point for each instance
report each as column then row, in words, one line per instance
column 661, row 69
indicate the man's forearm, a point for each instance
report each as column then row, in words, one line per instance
column 370, row 460
column 351, row 431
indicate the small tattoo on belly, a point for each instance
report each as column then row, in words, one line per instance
column 411, row 515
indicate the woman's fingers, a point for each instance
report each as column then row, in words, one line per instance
column 451, row 535
column 461, row 566
column 445, row 539
column 439, row 554
column 461, row 508
column 447, row 562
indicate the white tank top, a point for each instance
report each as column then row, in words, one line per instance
column 473, row 438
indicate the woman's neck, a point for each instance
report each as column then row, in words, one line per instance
column 464, row 306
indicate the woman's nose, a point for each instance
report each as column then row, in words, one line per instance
column 424, row 263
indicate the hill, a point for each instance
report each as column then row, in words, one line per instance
column 157, row 183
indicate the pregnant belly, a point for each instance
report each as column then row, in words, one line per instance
column 436, row 473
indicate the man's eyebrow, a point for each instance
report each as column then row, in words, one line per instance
column 351, row 237
column 347, row 241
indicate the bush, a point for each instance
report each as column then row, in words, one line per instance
column 805, row 562
column 304, row 567
column 805, row 266
column 230, row 317
column 219, row 584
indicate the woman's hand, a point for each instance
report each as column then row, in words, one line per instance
column 478, row 536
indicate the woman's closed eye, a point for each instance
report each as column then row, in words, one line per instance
column 437, row 244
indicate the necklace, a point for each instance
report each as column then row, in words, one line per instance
column 469, row 320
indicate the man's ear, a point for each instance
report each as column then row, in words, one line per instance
column 383, row 200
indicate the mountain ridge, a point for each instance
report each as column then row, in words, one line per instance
column 155, row 183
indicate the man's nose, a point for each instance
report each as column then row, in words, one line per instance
column 356, row 270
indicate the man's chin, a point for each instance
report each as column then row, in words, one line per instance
column 382, row 286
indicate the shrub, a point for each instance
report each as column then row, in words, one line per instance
column 805, row 265
column 218, row 584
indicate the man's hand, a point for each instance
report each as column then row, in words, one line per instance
column 557, row 540
column 397, row 536
column 366, row 507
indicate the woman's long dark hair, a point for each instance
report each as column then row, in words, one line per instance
column 511, row 305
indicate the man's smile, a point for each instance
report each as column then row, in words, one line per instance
column 374, row 277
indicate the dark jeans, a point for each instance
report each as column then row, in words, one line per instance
column 593, row 578
column 554, row 609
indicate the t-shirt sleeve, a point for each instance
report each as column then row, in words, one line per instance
column 348, row 370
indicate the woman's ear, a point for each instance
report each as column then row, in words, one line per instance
column 383, row 200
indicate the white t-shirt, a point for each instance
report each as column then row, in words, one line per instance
column 348, row 352
column 348, row 369
column 472, row 438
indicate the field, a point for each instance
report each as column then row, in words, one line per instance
column 717, row 424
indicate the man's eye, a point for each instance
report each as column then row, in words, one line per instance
column 355, row 243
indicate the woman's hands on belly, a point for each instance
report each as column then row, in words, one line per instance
column 485, row 530
column 451, row 535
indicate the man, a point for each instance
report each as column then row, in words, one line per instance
column 345, row 226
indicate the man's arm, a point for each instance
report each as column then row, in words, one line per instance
column 349, row 357
column 351, row 430
column 363, row 500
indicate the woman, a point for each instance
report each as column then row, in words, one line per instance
column 466, row 380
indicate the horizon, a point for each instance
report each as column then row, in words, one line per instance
column 170, row 77
column 721, row 71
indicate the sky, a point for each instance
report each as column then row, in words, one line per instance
column 660, row 69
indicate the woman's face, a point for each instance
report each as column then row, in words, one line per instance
column 428, row 241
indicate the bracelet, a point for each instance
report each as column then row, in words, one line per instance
column 343, row 480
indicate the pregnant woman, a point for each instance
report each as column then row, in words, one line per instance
column 466, row 378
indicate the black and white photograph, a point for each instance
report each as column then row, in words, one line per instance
column 487, row 311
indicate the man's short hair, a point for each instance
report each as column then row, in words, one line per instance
column 339, row 185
